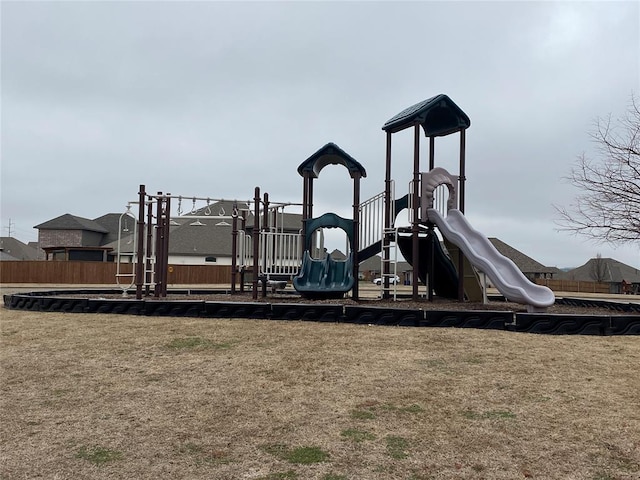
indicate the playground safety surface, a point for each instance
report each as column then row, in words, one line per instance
column 567, row 316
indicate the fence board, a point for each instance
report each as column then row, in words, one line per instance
column 104, row 273
column 574, row 286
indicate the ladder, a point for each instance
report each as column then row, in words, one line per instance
column 392, row 263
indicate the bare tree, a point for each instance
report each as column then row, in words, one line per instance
column 607, row 209
column 598, row 270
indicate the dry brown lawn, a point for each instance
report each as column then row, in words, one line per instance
column 110, row 396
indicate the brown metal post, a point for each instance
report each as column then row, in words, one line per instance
column 243, row 227
column 234, row 247
column 256, row 239
column 387, row 217
column 265, row 228
column 310, row 205
column 140, row 243
column 167, row 229
column 147, row 276
column 432, row 153
column 461, row 184
column 462, row 179
column 305, row 194
column 356, row 235
column 157, row 289
column 430, row 268
column 415, row 219
column 305, row 211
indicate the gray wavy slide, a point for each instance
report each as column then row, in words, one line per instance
column 503, row 273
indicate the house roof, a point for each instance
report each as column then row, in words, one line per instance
column 218, row 208
column 5, row 257
column 525, row 263
column 72, row 222
column 374, row 264
column 204, row 239
column 612, row 271
column 111, row 222
column 127, row 244
column 12, row 247
column 438, row 115
column 211, row 236
column 291, row 222
column 337, row 255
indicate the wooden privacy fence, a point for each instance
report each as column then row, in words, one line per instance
column 103, row 273
column 574, row 286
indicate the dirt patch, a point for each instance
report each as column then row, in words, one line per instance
column 117, row 396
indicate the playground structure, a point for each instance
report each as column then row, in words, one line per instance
column 321, row 276
column 265, row 251
column 276, row 255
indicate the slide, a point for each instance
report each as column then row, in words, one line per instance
column 326, row 278
column 503, row 273
column 444, row 272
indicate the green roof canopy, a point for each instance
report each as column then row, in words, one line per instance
column 331, row 154
column 438, row 115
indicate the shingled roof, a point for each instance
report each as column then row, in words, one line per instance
column 612, row 270
column 292, row 221
column 525, row 263
column 12, row 247
column 111, row 221
column 72, row 222
column 209, row 237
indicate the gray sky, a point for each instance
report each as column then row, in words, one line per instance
column 216, row 98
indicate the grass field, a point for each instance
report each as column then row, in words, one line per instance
column 110, row 396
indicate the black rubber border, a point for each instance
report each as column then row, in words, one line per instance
column 550, row 324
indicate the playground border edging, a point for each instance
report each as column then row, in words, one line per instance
column 540, row 323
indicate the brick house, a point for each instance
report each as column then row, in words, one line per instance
column 69, row 237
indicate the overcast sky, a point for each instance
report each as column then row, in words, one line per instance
column 215, row 98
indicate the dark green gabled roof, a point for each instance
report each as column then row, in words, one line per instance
column 331, row 154
column 438, row 115
column 71, row 222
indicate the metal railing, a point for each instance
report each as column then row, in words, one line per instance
column 280, row 253
column 371, row 219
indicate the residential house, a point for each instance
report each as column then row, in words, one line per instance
column 13, row 249
column 621, row 278
column 371, row 268
column 204, row 236
column 531, row 268
column 69, row 237
column 201, row 236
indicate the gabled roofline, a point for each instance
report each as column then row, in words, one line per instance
column 72, row 222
